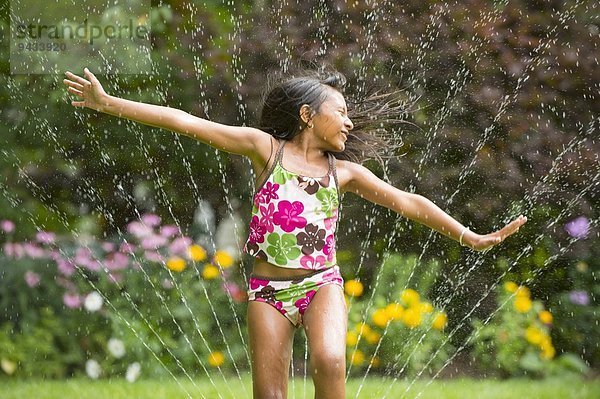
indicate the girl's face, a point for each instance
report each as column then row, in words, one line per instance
column 331, row 122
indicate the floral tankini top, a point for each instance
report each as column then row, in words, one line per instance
column 294, row 218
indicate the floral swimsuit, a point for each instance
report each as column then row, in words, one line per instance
column 293, row 225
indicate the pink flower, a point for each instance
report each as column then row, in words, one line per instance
column 180, row 246
column 302, row 303
column 65, row 267
column 33, row 251
column 32, row 279
column 266, row 220
column 14, row 250
column 139, row 230
column 127, row 248
column 72, row 301
column 153, row 256
column 153, row 241
column 7, row 225
column 116, row 261
column 151, row 219
column 169, row 230
column 308, row 262
column 257, row 231
column 45, row 237
column 288, row 216
column 108, row 246
column 83, row 257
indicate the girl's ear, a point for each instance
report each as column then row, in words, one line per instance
column 306, row 113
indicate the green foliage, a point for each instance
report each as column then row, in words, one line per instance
column 516, row 341
column 393, row 330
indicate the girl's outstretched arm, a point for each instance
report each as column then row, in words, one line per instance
column 361, row 181
column 247, row 141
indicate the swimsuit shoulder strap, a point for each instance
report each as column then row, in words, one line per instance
column 277, row 159
column 332, row 170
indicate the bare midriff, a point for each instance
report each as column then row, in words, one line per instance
column 266, row 269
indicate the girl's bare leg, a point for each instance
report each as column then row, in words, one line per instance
column 271, row 337
column 325, row 322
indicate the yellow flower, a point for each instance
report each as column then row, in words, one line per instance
column 375, row 362
column 545, row 317
column 373, row 337
column 522, row 292
column 522, row 304
column 210, row 272
column 353, row 288
column 196, row 253
column 439, row 321
column 351, row 338
column 176, row 264
column 362, row 328
column 510, row 286
column 548, row 350
column 425, row 307
column 394, row 311
column 412, row 317
column 380, row 318
column 409, row 297
column 215, row 359
column 357, row 358
column 534, row 335
column 223, row 259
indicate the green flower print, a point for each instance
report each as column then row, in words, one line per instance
column 281, row 175
column 295, row 292
column 329, row 200
column 283, row 247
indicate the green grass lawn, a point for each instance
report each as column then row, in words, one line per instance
column 299, row 388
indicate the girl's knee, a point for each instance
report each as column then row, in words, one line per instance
column 329, row 364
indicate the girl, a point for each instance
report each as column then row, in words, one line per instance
column 303, row 158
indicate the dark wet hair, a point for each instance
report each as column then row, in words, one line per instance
column 376, row 116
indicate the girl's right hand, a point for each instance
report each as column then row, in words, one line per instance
column 89, row 90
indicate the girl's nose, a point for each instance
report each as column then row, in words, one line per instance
column 348, row 123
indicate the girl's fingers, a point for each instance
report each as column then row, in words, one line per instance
column 78, row 103
column 76, row 78
column 75, row 91
column 72, row 84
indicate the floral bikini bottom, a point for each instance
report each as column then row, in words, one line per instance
column 291, row 297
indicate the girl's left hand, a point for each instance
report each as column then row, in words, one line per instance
column 482, row 242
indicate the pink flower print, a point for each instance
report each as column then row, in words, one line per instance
column 266, row 220
column 331, row 221
column 329, row 248
column 334, row 276
column 288, row 216
column 279, row 306
column 266, row 193
column 257, row 231
column 308, row 262
column 302, row 303
column 255, row 283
